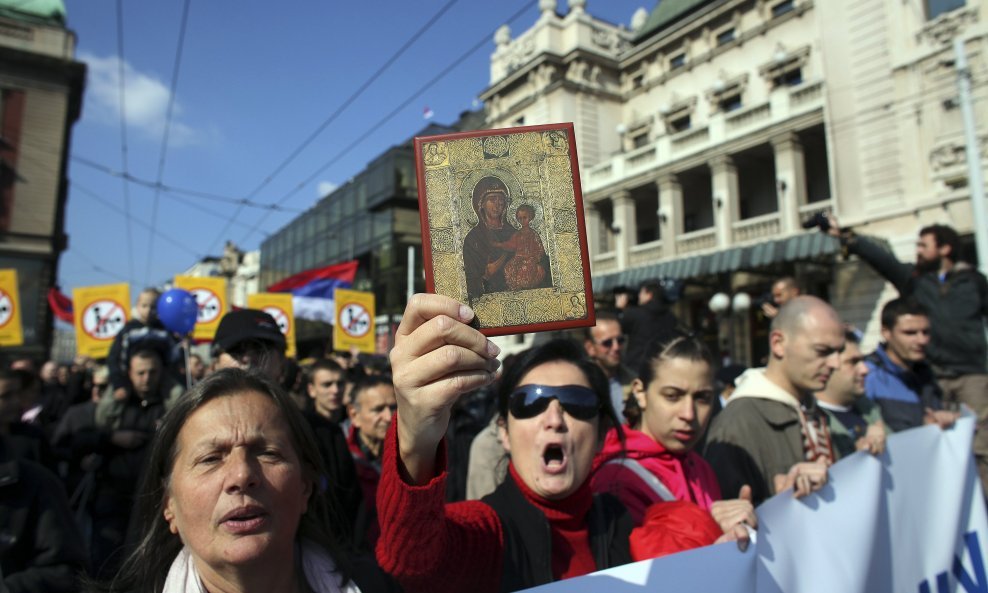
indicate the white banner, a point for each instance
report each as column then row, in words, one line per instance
column 911, row 521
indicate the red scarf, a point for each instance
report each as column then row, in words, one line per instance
column 571, row 553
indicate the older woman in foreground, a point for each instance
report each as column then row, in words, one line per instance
column 227, row 503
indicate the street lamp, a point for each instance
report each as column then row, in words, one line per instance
column 728, row 308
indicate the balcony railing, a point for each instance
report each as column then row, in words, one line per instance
column 605, row 262
column 759, row 227
column 641, row 156
column 806, row 93
column 746, row 117
column 696, row 241
column 684, row 140
column 645, row 253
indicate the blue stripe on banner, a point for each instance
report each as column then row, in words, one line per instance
column 320, row 288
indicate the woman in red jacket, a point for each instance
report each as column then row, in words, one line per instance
column 543, row 523
column 657, row 462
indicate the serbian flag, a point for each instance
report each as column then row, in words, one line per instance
column 312, row 290
column 60, row 304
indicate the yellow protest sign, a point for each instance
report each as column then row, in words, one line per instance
column 210, row 295
column 354, row 318
column 279, row 306
column 100, row 312
column 11, row 330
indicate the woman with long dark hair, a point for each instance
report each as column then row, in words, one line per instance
column 656, row 461
column 230, row 500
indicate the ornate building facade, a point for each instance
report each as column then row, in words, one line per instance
column 710, row 130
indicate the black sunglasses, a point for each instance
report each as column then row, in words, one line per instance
column 610, row 342
column 578, row 401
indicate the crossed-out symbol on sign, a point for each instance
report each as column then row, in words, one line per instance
column 6, row 308
column 208, row 303
column 354, row 320
column 103, row 319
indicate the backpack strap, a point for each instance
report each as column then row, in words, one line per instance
column 646, row 476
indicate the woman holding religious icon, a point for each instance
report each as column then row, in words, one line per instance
column 543, row 523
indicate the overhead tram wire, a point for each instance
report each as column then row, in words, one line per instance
column 94, row 195
column 366, row 133
column 164, row 137
column 339, row 111
column 96, row 267
column 168, row 189
column 123, row 134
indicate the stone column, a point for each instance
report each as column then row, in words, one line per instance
column 624, row 219
column 592, row 220
column 790, row 180
column 671, row 207
column 726, row 196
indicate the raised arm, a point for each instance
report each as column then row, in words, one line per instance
column 426, row 544
column 876, row 256
column 436, row 358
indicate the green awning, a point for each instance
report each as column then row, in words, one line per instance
column 808, row 246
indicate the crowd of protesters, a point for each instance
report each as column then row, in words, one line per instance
column 448, row 468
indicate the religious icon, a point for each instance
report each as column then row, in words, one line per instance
column 503, row 230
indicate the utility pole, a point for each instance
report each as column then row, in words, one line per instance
column 975, row 178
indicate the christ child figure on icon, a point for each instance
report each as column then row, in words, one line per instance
column 524, row 270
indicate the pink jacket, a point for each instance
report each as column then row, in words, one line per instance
column 688, row 477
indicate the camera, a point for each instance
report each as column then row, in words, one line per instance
column 818, row 220
column 765, row 298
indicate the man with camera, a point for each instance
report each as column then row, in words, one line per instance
column 956, row 296
column 783, row 290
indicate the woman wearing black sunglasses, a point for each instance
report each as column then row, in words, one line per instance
column 543, row 523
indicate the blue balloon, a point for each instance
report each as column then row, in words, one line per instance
column 177, row 310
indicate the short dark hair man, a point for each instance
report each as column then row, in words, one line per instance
column 770, row 435
column 650, row 320
column 955, row 295
column 604, row 343
column 855, row 421
column 125, row 427
column 900, row 380
column 326, row 386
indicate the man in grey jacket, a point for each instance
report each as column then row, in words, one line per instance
column 770, row 435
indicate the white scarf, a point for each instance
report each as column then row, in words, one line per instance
column 319, row 568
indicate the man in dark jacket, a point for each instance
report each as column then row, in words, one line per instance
column 40, row 546
column 651, row 320
column 956, row 297
column 115, row 444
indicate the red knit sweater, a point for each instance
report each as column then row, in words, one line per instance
column 431, row 546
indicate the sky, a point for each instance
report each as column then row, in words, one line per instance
column 261, row 108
